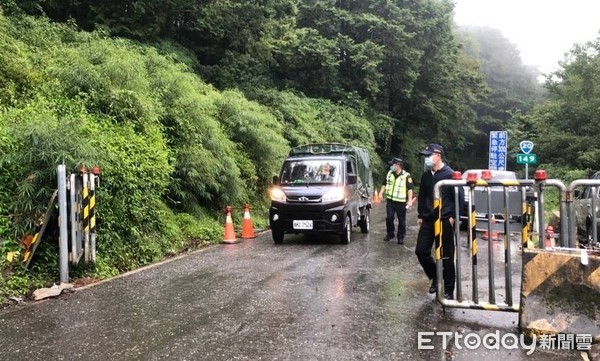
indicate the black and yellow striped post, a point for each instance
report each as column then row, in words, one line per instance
column 492, row 305
column 437, row 231
column 93, row 218
column 525, row 221
column 456, row 256
column 473, row 239
column 92, row 210
column 85, row 220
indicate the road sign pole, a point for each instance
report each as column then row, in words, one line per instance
column 62, row 211
column 526, row 147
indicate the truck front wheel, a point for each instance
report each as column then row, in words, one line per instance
column 347, row 231
column 277, row 236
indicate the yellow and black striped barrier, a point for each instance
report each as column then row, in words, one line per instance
column 509, row 306
column 82, row 220
column 31, row 245
column 92, row 211
column 92, row 214
column 86, row 207
column 473, row 241
column 437, row 229
column 438, row 234
column 85, row 221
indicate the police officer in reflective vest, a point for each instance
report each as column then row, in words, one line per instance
column 398, row 188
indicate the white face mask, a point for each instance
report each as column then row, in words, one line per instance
column 392, row 169
column 428, row 161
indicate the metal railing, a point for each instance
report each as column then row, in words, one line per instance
column 569, row 199
column 81, row 206
column 539, row 184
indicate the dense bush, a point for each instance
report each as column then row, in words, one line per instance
column 173, row 150
column 257, row 135
column 303, row 120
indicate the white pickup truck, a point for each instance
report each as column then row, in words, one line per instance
column 480, row 197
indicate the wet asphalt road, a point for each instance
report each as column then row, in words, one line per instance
column 305, row 299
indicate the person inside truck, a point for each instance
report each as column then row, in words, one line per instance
column 295, row 174
column 326, row 172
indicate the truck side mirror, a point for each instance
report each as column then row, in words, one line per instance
column 352, row 178
column 275, row 180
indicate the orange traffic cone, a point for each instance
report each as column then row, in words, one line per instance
column 495, row 235
column 247, row 228
column 229, row 233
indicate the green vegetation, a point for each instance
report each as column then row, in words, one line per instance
column 174, row 151
column 188, row 107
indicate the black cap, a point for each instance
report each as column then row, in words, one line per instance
column 398, row 161
column 432, row 148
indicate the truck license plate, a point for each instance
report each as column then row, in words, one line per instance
column 303, row 224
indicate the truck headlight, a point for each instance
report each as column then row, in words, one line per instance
column 277, row 195
column 334, row 195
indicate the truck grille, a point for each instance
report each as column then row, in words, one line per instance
column 305, row 215
column 304, row 199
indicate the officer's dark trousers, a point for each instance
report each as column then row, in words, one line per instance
column 398, row 209
column 426, row 241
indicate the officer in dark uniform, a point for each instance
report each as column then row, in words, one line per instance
column 436, row 170
column 398, row 188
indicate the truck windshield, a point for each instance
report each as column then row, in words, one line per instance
column 311, row 171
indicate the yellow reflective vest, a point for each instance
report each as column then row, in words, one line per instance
column 396, row 187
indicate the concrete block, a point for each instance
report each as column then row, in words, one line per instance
column 559, row 293
column 53, row 291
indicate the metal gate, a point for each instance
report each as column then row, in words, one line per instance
column 536, row 185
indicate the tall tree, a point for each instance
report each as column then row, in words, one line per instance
column 398, row 56
column 418, row 77
column 568, row 123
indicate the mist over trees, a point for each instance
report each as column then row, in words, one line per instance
column 511, row 88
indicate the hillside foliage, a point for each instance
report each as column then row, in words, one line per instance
column 173, row 150
column 189, row 107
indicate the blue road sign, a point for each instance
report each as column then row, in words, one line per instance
column 498, row 147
